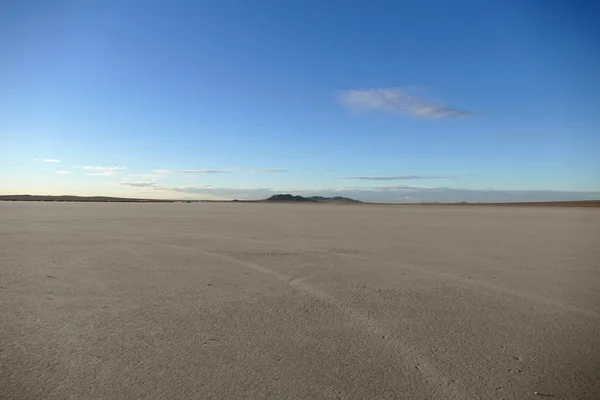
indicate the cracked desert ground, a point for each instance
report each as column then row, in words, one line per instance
column 292, row 301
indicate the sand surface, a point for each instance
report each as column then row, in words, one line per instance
column 291, row 301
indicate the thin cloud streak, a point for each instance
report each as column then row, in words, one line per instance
column 139, row 184
column 395, row 100
column 152, row 185
column 62, row 172
column 193, row 171
column 97, row 170
column 398, row 177
column 143, row 177
column 264, row 171
column 100, row 168
column 51, row 160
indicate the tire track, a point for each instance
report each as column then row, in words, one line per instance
column 420, row 270
column 504, row 292
column 411, row 359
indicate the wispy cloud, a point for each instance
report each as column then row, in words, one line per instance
column 215, row 171
column 398, row 177
column 143, row 177
column 51, row 160
column 140, row 184
column 264, row 171
column 62, row 172
column 181, row 189
column 396, row 100
column 100, row 168
column 95, row 170
column 193, row 171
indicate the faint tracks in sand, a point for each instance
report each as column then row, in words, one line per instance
column 412, row 362
column 354, row 255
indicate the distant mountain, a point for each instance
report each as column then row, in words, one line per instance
column 336, row 199
column 312, row 199
column 289, row 197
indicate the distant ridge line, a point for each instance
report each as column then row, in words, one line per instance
column 311, row 199
column 71, row 198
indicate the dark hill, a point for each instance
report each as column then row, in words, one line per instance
column 336, row 199
column 289, row 197
column 312, row 199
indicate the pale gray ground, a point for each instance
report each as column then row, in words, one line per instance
column 233, row 301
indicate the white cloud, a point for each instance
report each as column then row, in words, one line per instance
column 140, row 184
column 396, row 100
column 62, row 172
column 193, row 171
column 102, row 170
column 51, row 160
column 182, row 189
column 398, row 177
column 215, row 171
column 143, row 177
column 264, row 171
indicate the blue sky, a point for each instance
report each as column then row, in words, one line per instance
column 380, row 100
